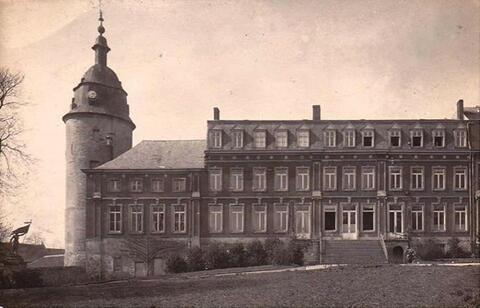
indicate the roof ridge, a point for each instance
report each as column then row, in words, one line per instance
column 163, row 140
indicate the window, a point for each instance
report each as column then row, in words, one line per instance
column 349, row 175
column 136, row 218
column 438, row 138
column 281, row 139
column 329, row 178
column 236, row 179
column 417, row 218
column 330, row 219
column 215, row 218
column 349, row 138
column 215, row 179
column 281, row 179
column 302, row 221
column 259, row 218
column 330, row 138
column 158, row 218
column 179, row 215
column 416, row 138
column 367, row 138
column 114, row 185
column 460, row 218
column 460, row 178
column 395, row 221
column 216, row 138
column 439, row 218
column 395, row 178
column 460, row 138
column 416, row 178
column 303, row 138
column 303, row 178
column 438, row 178
column 259, row 179
column 158, row 185
column 395, row 138
column 260, row 138
column 236, row 218
column 368, row 218
column 238, row 139
column 179, row 184
column 115, row 215
column 368, row 178
column 136, row 185
column 280, row 218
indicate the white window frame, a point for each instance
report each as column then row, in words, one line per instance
column 419, row 178
column 281, row 211
column 234, row 210
column 395, row 133
column 237, row 138
column 417, row 133
column 176, row 213
column 349, row 178
column 436, row 173
column 157, row 187
column 215, row 179
column 215, row 212
column 329, row 177
column 460, row 212
column 460, row 136
column 306, row 221
column 216, row 138
column 136, row 185
column 157, row 210
column 302, row 178
column 182, row 187
column 281, row 138
column 460, row 171
column 260, row 139
column 414, row 216
column 396, row 213
column 349, row 138
column 259, row 182
column 330, row 209
column 368, row 178
column 368, row 133
column 369, row 208
column 400, row 178
column 441, row 227
column 438, row 133
column 136, row 218
column 236, row 179
column 257, row 217
column 303, row 138
column 330, row 137
column 114, row 185
column 117, row 211
column 281, row 178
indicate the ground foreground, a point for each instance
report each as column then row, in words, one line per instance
column 384, row 286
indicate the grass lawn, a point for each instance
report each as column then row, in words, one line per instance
column 385, row 286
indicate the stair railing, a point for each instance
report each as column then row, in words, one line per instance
column 384, row 247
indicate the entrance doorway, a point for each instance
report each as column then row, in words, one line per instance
column 349, row 224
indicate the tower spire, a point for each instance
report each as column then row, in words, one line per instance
column 101, row 48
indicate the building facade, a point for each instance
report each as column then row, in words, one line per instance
column 315, row 181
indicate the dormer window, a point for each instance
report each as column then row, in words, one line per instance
column 281, row 138
column 438, row 138
column 238, row 139
column 395, row 135
column 260, row 137
column 460, row 135
column 303, row 138
column 216, row 138
column 368, row 138
column 416, row 138
column 330, row 138
column 349, row 137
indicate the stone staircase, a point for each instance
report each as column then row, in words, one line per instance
column 353, row 252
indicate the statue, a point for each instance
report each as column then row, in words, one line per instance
column 15, row 236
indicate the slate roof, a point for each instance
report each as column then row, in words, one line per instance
column 160, row 154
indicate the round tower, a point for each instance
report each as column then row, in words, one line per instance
column 98, row 129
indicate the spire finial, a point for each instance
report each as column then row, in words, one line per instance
column 100, row 28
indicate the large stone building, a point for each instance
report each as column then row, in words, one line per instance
column 367, row 186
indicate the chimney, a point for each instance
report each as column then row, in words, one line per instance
column 216, row 113
column 460, row 110
column 316, row 112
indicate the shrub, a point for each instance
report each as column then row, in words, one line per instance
column 429, row 250
column 195, row 260
column 455, row 250
column 25, row 278
column 176, row 264
column 295, row 253
column 256, row 254
column 272, row 248
column 237, row 255
column 216, row 256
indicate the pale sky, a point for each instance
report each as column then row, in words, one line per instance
column 253, row 59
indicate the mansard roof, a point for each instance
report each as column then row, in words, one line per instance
column 160, row 154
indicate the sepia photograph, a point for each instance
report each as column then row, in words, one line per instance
column 239, row 153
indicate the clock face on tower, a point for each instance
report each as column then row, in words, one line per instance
column 91, row 95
